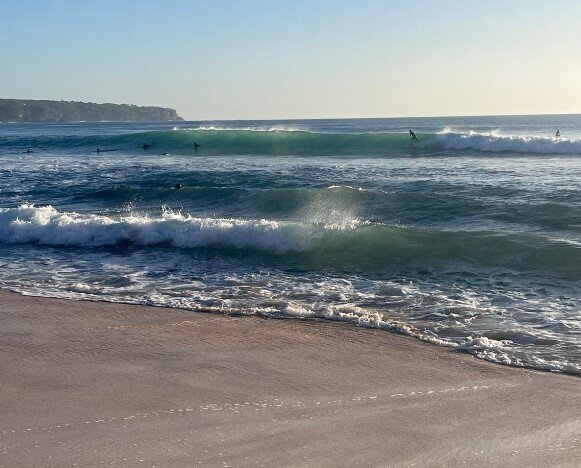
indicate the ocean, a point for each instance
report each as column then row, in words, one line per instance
column 469, row 239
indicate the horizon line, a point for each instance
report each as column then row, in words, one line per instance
column 305, row 118
column 379, row 118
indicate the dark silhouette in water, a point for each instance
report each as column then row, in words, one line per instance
column 147, row 145
column 558, row 134
column 196, row 146
column 27, row 151
column 178, row 186
column 413, row 138
column 98, row 150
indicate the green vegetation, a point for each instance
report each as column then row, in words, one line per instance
column 26, row 110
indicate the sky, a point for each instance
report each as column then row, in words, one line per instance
column 269, row 59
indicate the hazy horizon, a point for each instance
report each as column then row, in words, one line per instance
column 266, row 61
column 435, row 116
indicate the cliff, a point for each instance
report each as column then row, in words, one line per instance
column 26, row 110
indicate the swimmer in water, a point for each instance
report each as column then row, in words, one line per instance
column 27, row 151
column 178, row 186
column 147, row 145
column 413, row 138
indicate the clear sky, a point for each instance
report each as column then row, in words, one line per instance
column 253, row 59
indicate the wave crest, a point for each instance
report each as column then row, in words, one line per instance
column 218, row 128
column 336, row 241
column 45, row 225
column 495, row 142
column 285, row 141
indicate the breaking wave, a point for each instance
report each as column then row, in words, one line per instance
column 496, row 143
column 344, row 243
column 281, row 141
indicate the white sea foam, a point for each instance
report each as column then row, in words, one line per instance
column 84, row 288
column 347, row 187
column 494, row 141
column 273, row 128
column 46, row 225
column 506, row 352
column 361, row 317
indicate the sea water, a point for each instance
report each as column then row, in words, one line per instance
column 470, row 238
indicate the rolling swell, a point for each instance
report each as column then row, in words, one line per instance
column 233, row 142
column 350, row 244
column 432, row 207
column 280, row 142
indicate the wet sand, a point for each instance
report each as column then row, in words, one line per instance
column 95, row 384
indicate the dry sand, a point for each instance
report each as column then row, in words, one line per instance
column 94, row 384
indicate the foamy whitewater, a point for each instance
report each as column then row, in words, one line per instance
column 470, row 239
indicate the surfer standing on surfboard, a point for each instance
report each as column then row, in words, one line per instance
column 413, row 138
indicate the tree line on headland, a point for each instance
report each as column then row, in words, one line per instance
column 27, row 110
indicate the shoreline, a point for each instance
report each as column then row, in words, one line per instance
column 92, row 382
column 397, row 328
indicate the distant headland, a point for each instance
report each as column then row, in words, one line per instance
column 27, row 110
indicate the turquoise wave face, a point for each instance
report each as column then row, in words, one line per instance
column 300, row 143
column 233, row 142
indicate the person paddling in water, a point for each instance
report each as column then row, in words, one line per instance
column 413, row 138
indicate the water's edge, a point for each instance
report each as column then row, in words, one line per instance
column 404, row 330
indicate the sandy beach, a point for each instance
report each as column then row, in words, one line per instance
column 94, row 384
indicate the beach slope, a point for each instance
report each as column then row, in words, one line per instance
column 93, row 384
